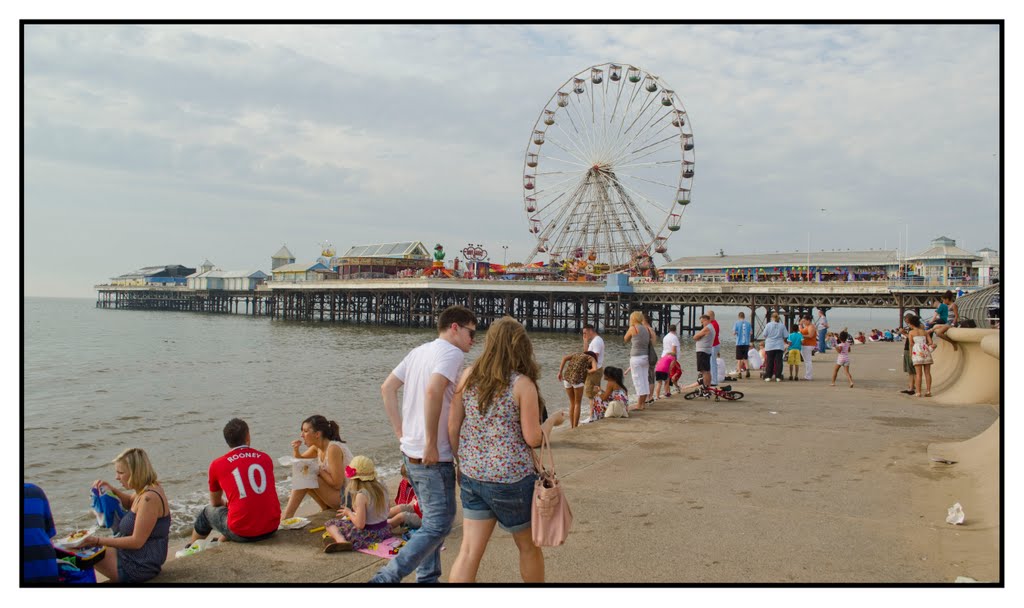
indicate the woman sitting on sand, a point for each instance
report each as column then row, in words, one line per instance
column 139, row 546
column 325, row 444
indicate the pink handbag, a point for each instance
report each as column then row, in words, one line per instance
column 551, row 516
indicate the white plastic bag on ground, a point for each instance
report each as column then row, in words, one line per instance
column 956, row 515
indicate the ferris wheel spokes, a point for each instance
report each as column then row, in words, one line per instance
column 622, row 151
column 607, row 177
column 640, row 195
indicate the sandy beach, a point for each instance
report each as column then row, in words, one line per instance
column 800, row 482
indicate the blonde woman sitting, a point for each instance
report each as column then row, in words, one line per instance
column 138, row 548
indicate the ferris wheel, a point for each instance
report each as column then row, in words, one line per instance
column 609, row 167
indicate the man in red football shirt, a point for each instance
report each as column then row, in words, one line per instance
column 251, row 511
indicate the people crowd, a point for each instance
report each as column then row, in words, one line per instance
column 474, row 429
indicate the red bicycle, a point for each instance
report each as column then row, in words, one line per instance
column 718, row 392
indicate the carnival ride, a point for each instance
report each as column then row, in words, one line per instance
column 438, row 269
column 608, row 169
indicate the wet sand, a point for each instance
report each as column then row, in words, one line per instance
column 800, row 482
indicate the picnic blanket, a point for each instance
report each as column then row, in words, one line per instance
column 387, row 549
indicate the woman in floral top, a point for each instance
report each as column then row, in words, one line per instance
column 493, row 426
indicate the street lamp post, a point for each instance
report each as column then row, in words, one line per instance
column 504, row 255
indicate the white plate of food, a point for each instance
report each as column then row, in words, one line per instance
column 74, row 539
column 294, row 523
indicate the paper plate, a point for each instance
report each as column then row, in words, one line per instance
column 69, row 542
column 294, row 523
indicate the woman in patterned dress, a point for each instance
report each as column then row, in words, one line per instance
column 615, row 390
column 921, row 355
column 493, row 426
column 573, row 373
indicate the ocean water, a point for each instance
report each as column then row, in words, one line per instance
column 99, row 381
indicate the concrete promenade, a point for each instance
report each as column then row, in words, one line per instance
column 799, row 482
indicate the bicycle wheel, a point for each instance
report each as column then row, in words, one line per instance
column 733, row 395
column 691, row 395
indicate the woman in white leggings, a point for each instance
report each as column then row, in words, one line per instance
column 639, row 337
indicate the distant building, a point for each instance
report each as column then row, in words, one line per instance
column 154, row 275
column 300, row 271
column 230, row 280
column 987, row 268
column 794, row 266
column 943, row 262
column 383, row 260
column 282, row 257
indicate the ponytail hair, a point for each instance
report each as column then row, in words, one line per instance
column 328, row 428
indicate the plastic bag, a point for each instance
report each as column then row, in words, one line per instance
column 955, row 515
column 305, row 472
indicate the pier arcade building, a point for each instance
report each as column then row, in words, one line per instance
column 817, row 266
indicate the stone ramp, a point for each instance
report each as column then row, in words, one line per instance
column 798, row 482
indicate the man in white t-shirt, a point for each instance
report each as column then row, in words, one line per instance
column 429, row 374
column 670, row 343
column 593, row 342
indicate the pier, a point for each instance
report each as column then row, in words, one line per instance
column 540, row 305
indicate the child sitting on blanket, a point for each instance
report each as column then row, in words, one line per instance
column 367, row 522
column 406, row 511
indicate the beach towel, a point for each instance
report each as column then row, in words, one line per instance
column 107, row 508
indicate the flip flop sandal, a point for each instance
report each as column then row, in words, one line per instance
column 333, row 547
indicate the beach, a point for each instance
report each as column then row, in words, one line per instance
column 799, row 482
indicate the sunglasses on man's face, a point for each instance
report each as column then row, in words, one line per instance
column 472, row 332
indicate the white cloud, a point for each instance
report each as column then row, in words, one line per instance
column 362, row 133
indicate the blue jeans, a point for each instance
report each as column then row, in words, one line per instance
column 435, row 488
column 216, row 518
column 822, row 347
column 714, row 364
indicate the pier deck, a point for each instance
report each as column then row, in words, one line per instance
column 540, row 305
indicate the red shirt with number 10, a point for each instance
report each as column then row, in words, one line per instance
column 246, row 477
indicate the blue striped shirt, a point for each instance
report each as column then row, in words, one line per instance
column 38, row 559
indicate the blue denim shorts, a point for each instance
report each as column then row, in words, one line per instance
column 509, row 503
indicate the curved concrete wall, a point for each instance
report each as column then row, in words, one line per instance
column 970, row 374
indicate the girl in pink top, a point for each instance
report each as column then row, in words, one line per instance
column 661, row 372
column 843, row 346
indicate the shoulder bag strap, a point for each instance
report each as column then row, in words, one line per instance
column 538, row 461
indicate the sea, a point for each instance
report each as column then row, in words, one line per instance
column 98, row 381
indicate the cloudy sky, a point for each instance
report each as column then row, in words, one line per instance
column 168, row 144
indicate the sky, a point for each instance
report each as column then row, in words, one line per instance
column 171, row 144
